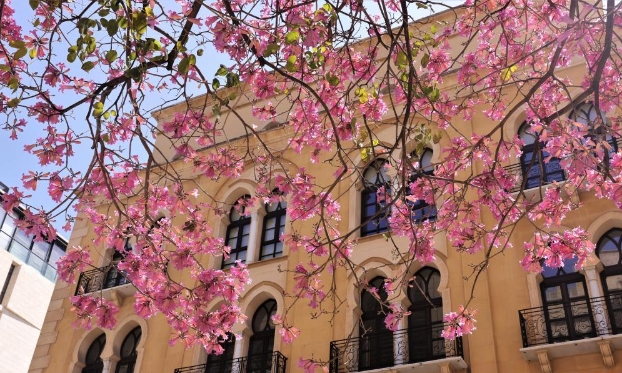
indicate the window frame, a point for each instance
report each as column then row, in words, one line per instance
column 240, row 223
column 376, row 222
column 280, row 216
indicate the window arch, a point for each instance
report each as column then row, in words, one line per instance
column 609, row 251
column 128, row 352
column 586, row 114
column 425, row 322
column 373, row 212
column 238, row 232
column 421, row 210
column 261, row 345
column 273, row 228
column 536, row 170
column 93, row 361
column 375, row 341
column 567, row 311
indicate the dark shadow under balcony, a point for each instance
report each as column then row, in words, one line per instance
column 407, row 348
column 274, row 362
column 579, row 319
column 100, row 279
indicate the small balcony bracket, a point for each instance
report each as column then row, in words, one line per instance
column 605, row 351
column 446, row 368
column 545, row 363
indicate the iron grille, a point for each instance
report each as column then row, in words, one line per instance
column 99, row 279
column 385, row 349
column 273, row 362
column 570, row 321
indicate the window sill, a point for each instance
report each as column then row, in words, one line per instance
column 545, row 353
column 116, row 294
column 446, row 365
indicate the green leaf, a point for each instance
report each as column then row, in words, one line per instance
column 122, row 22
column 111, row 56
column 401, row 60
column 435, row 95
column 103, row 12
column 32, row 53
column 98, row 109
column 199, row 52
column 270, row 50
column 13, row 102
column 433, row 29
column 506, row 73
column 87, row 66
column 292, row 37
column 13, row 83
column 21, row 52
column 34, row 4
column 333, row 80
column 222, row 71
column 422, row 5
column 5, row 68
column 291, row 64
column 215, row 84
column 113, row 26
column 184, row 66
column 425, row 60
column 17, row 44
column 232, row 80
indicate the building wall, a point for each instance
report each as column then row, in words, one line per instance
column 22, row 312
column 502, row 290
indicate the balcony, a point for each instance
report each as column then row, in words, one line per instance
column 274, row 362
column 414, row 350
column 572, row 328
column 535, row 177
column 100, row 279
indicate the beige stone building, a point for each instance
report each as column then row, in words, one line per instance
column 27, row 276
column 563, row 320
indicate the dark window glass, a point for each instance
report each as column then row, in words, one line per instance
column 262, row 342
column 7, row 281
column 222, row 363
column 596, row 127
column 128, row 353
column 421, row 210
column 567, row 311
column 375, row 341
column 373, row 212
column 93, row 362
column 273, row 228
column 238, row 233
column 537, row 170
column 425, row 322
column 609, row 250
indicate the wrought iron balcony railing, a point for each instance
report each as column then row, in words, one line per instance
column 538, row 174
column 386, row 349
column 571, row 321
column 273, row 362
column 99, row 279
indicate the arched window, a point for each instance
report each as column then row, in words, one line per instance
column 537, row 171
column 421, row 210
column 238, row 233
column 93, row 361
column 273, row 228
column 609, row 250
column 586, row 114
column 567, row 312
column 222, row 363
column 114, row 277
column 262, row 342
column 373, row 212
column 425, row 322
column 375, row 341
column 128, row 353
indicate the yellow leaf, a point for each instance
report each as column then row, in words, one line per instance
column 506, row 73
